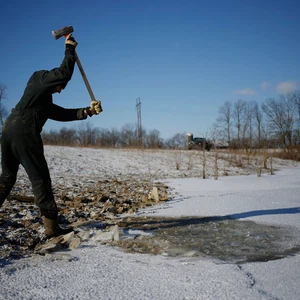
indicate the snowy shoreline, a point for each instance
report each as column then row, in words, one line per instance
column 96, row 271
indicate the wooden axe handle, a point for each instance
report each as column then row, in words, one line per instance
column 65, row 31
column 84, row 77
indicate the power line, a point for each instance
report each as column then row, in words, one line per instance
column 139, row 123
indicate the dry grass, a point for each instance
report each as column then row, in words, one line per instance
column 190, row 161
column 290, row 154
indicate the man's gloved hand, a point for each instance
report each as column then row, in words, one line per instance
column 70, row 41
column 94, row 108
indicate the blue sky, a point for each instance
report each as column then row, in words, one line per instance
column 184, row 59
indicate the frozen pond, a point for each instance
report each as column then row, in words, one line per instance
column 222, row 238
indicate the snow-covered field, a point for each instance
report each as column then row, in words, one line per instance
column 95, row 271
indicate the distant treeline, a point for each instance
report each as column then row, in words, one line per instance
column 126, row 137
column 274, row 123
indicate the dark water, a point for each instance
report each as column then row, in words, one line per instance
column 227, row 240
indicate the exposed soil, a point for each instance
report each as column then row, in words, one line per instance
column 21, row 228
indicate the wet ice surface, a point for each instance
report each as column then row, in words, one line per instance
column 222, row 238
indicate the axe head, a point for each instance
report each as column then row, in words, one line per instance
column 62, row 32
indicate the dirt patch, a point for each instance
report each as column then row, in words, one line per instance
column 21, row 228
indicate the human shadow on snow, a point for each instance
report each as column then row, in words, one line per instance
column 156, row 222
column 264, row 212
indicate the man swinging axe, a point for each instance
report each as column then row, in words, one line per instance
column 21, row 135
column 67, row 31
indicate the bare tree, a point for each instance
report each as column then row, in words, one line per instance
column 114, row 137
column 50, row 138
column 238, row 115
column 178, row 140
column 85, row 134
column 280, row 115
column 295, row 96
column 107, row 138
column 153, row 139
column 3, row 111
column 248, row 124
column 258, row 122
column 223, row 124
column 290, row 116
column 128, row 135
column 64, row 137
column 67, row 136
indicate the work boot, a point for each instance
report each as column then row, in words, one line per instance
column 50, row 220
column 52, row 228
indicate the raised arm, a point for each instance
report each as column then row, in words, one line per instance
column 63, row 74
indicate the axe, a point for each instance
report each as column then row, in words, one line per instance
column 65, row 31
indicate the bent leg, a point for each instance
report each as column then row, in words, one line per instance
column 33, row 160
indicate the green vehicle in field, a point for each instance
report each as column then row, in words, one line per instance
column 199, row 143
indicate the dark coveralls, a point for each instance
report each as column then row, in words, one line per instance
column 21, row 135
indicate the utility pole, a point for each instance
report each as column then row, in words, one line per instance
column 139, row 123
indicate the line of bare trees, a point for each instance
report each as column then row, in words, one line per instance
column 241, row 124
column 274, row 123
column 126, row 137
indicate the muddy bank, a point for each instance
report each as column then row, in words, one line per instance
column 21, row 229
